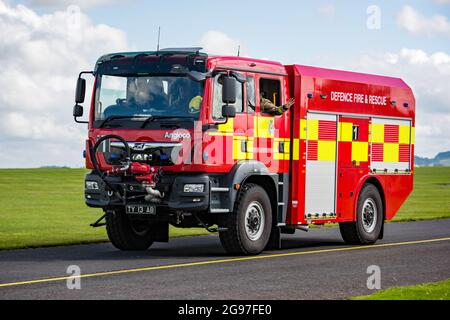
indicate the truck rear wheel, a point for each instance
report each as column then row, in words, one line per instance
column 369, row 218
column 128, row 235
column 249, row 226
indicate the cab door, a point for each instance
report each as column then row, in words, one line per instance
column 272, row 148
column 227, row 145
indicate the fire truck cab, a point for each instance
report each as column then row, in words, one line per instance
column 178, row 137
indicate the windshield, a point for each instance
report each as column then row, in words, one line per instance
column 147, row 96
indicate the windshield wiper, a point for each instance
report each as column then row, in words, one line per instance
column 117, row 118
column 153, row 118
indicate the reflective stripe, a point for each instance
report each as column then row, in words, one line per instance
column 313, row 152
column 391, row 133
column 327, row 130
column 391, row 152
column 377, row 152
column 360, row 151
column 377, row 133
column 296, row 150
column 303, row 129
column 264, row 127
column 312, row 131
column 227, row 127
column 404, row 135
column 345, row 131
column 404, row 153
column 326, row 151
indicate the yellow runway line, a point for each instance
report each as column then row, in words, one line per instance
column 221, row 261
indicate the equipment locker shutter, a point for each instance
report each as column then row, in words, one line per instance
column 391, row 145
column 320, row 197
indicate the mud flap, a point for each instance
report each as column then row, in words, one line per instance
column 160, row 232
column 275, row 239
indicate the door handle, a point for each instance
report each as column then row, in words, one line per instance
column 244, row 146
column 281, row 147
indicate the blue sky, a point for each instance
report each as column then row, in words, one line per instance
column 289, row 31
column 42, row 53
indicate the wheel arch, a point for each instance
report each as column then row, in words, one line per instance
column 268, row 184
column 252, row 171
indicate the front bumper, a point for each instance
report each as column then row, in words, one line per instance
column 132, row 192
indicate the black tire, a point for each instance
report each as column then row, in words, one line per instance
column 365, row 231
column 128, row 235
column 248, row 239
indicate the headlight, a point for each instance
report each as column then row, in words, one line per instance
column 91, row 185
column 194, row 188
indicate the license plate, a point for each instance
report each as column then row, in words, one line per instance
column 138, row 209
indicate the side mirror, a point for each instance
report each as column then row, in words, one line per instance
column 80, row 95
column 80, row 92
column 229, row 90
column 228, row 111
column 78, row 111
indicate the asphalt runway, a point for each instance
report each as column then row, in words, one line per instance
column 315, row 265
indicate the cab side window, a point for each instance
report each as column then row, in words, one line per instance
column 218, row 103
column 270, row 89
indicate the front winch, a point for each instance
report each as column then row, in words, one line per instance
column 147, row 175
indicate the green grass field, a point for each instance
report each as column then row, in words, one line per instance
column 431, row 196
column 432, row 291
column 45, row 207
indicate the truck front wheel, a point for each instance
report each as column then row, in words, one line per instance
column 248, row 227
column 369, row 218
column 126, row 234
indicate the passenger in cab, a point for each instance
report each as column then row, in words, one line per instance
column 184, row 98
column 269, row 107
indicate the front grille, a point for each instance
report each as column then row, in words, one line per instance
column 152, row 153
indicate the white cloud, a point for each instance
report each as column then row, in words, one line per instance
column 216, row 42
column 428, row 75
column 416, row 23
column 65, row 3
column 41, row 57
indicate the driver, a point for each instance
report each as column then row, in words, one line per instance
column 157, row 97
column 147, row 95
column 141, row 92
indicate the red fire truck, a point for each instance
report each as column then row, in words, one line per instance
column 177, row 137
